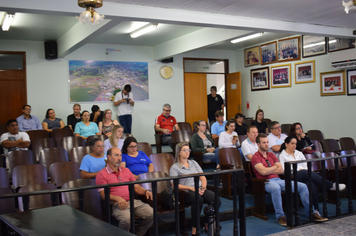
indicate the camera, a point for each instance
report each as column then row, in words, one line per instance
column 127, row 100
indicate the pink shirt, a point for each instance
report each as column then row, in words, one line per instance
column 108, row 176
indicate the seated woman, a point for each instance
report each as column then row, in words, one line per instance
column 85, row 128
column 240, row 128
column 202, row 142
column 303, row 142
column 229, row 138
column 51, row 122
column 289, row 153
column 259, row 123
column 137, row 161
column 106, row 126
column 115, row 139
column 93, row 162
column 183, row 166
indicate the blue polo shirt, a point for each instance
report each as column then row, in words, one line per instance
column 217, row 129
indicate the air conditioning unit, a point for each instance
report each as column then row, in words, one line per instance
column 343, row 59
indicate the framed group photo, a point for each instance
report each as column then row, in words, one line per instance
column 305, row 72
column 289, row 49
column 268, row 53
column 332, row 83
column 313, row 45
column 338, row 44
column 260, row 79
column 252, row 56
column 351, row 82
column 281, row 76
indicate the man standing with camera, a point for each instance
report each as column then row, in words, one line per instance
column 124, row 101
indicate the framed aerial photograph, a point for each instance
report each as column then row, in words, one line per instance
column 338, row 44
column 313, row 45
column 252, row 56
column 351, row 82
column 289, row 49
column 268, row 53
column 305, row 72
column 260, row 79
column 332, row 83
column 281, row 76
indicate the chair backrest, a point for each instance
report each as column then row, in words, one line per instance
column 20, row 157
column 317, row 145
column 247, row 122
column 37, row 201
column 330, row 145
column 230, row 156
column 330, row 164
column 145, row 147
column 286, row 128
column 126, row 135
column 4, row 178
column 179, row 136
column 77, row 153
column 92, row 201
column 161, row 185
column 316, row 165
column 48, row 156
column 69, row 142
column 102, row 137
column 36, row 134
column 162, row 161
column 344, row 159
column 29, row 174
column 185, row 126
column 268, row 121
column 42, row 143
column 347, row 143
column 7, row 205
column 242, row 138
column 216, row 141
column 58, row 134
column 315, row 135
column 61, row 172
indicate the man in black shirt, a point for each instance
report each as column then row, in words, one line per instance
column 215, row 103
column 96, row 115
column 74, row 118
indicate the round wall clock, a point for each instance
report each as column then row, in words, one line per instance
column 166, row 72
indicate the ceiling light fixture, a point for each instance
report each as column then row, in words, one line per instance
column 349, row 5
column 90, row 16
column 143, row 30
column 246, row 38
column 7, row 21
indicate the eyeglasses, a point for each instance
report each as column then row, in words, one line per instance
column 298, row 128
column 167, row 110
column 28, row 109
column 108, row 113
column 268, row 163
column 132, row 147
column 186, row 150
column 99, row 146
column 202, row 125
column 277, row 127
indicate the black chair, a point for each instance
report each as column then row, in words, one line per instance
column 48, row 156
column 317, row 145
column 286, row 128
column 102, row 137
column 330, row 145
column 69, row 142
column 37, row 134
column 28, row 174
column 77, row 153
column 36, row 201
column 315, row 135
column 185, row 126
column 58, row 134
column 20, row 157
column 162, row 161
column 180, row 136
column 347, row 143
column 145, row 147
column 62, row 172
column 42, row 143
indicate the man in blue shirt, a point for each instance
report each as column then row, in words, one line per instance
column 27, row 121
column 219, row 125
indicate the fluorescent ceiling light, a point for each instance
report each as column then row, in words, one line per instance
column 143, row 30
column 7, row 21
column 332, row 41
column 246, row 38
column 314, row 44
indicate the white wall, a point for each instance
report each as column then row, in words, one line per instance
column 47, row 81
column 333, row 115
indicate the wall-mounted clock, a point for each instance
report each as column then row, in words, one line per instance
column 166, row 72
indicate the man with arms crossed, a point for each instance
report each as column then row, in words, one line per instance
column 14, row 140
column 165, row 124
column 249, row 145
column 113, row 173
column 27, row 121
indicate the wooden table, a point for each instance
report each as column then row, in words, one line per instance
column 58, row 220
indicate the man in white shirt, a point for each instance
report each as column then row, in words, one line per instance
column 14, row 140
column 124, row 101
column 249, row 145
column 275, row 138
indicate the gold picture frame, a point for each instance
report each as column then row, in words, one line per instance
column 332, row 83
column 281, row 76
column 304, row 72
column 252, row 56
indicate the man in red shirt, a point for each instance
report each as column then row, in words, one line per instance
column 119, row 195
column 165, row 124
column 266, row 166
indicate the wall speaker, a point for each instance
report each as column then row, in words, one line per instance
column 51, row 50
column 167, row 60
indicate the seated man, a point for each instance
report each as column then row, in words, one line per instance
column 165, row 124
column 275, row 138
column 74, row 118
column 249, row 145
column 96, row 115
column 218, row 126
column 27, row 121
column 119, row 195
column 266, row 166
column 14, row 140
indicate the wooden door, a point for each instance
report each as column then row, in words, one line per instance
column 233, row 94
column 195, row 97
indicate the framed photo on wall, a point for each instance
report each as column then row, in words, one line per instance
column 260, row 79
column 289, row 49
column 268, row 53
column 332, row 83
column 313, row 45
column 252, row 56
column 305, row 72
column 281, row 76
column 338, row 44
column 351, row 82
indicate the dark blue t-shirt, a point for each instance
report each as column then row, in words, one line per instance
column 138, row 164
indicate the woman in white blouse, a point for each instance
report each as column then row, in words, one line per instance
column 229, row 138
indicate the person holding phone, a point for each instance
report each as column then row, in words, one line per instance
column 304, row 144
column 229, row 138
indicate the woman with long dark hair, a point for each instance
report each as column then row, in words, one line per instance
column 303, row 142
column 259, row 123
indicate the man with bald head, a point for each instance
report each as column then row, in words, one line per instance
column 119, row 195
